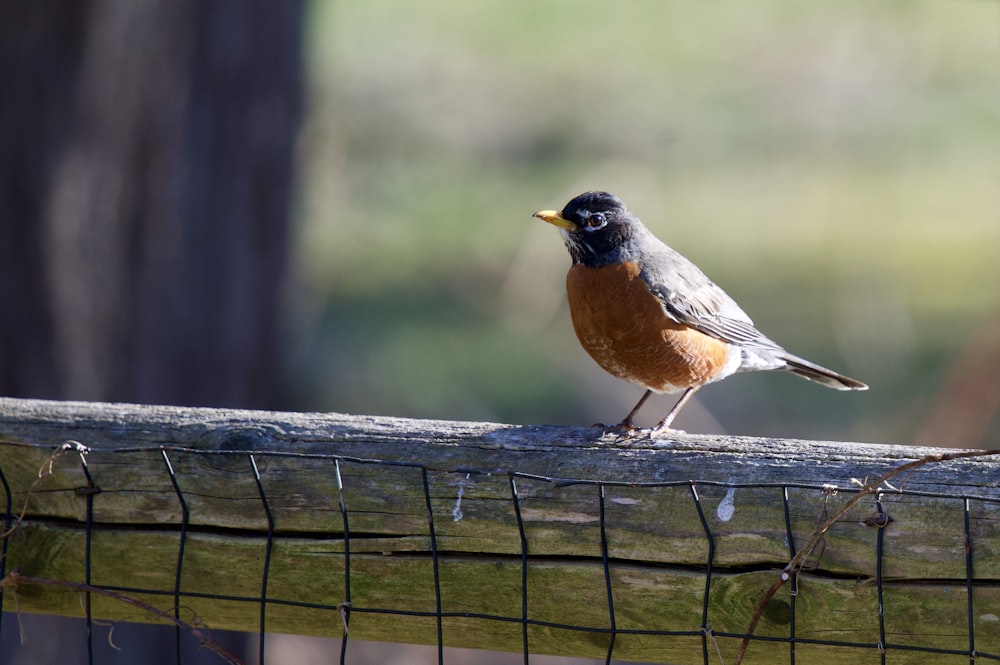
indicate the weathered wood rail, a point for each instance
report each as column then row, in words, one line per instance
column 179, row 504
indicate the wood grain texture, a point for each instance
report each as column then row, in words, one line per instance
column 656, row 541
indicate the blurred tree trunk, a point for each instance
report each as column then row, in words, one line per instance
column 961, row 413
column 146, row 156
column 146, row 153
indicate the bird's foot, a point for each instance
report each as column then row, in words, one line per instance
column 664, row 431
column 663, row 427
column 625, row 428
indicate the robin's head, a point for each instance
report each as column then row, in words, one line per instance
column 594, row 225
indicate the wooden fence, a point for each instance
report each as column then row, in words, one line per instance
column 529, row 539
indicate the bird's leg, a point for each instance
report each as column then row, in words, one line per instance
column 627, row 424
column 664, row 425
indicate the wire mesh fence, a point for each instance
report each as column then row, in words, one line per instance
column 339, row 570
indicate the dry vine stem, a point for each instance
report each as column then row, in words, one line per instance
column 867, row 489
column 15, row 579
column 44, row 472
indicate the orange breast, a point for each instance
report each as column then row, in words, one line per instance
column 624, row 328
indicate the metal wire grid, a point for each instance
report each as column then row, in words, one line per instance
column 342, row 610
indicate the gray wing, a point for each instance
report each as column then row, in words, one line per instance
column 691, row 298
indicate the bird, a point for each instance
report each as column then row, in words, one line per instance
column 650, row 316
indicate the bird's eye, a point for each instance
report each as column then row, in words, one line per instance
column 596, row 221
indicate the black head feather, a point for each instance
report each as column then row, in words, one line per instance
column 602, row 225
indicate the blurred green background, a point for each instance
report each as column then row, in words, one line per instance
column 833, row 166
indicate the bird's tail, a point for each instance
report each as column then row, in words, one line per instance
column 819, row 374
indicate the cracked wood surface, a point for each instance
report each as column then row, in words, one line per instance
column 655, row 493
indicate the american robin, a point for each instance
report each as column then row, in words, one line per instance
column 648, row 315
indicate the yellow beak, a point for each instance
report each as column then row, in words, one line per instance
column 556, row 219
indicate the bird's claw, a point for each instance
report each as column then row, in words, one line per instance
column 624, row 428
column 661, row 431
